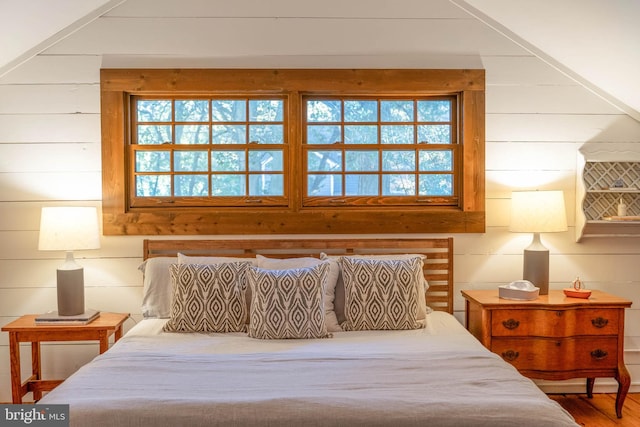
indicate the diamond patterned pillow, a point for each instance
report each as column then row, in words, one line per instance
column 381, row 294
column 208, row 298
column 288, row 303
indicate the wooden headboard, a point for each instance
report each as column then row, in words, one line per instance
column 438, row 266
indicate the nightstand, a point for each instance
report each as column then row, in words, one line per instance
column 554, row 337
column 25, row 329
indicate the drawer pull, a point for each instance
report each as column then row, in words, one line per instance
column 510, row 355
column 599, row 354
column 511, row 324
column 599, row 322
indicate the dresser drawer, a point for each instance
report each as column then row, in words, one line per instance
column 555, row 323
column 545, row 354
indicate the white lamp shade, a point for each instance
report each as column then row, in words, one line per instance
column 538, row 212
column 69, row 229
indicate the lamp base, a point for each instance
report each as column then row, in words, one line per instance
column 70, row 290
column 536, row 269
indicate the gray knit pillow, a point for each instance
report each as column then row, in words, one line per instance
column 288, row 303
column 208, row 298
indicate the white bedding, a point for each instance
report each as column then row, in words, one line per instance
column 438, row 376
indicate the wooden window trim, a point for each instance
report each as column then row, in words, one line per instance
column 117, row 85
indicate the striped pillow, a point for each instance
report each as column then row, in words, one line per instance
column 288, row 303
column 208, row 298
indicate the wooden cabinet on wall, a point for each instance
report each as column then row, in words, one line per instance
column 607, row 174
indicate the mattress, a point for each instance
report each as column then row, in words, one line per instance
column 440, row 376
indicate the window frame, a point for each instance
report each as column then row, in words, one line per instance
column 467, row 215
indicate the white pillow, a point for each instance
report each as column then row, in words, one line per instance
column 331, row 319
column 156, row 288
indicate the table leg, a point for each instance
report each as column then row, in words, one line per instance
column 590, row 382
column 624, row 381
column 16, row 375
column 104, row 341
column 36, row 367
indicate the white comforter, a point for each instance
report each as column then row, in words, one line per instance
column 439, row 376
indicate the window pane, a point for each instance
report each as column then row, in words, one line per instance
column 228, row 185
column 266, row 134
column 227, row 110
column 323, row 134
column 361, row 185
column 436, row 185
column 396, row 111
column 397, row 134
column 153, row 161
column 360, row 161
column 265, row 160
column 323, row 111
column 439, row 160
column 324, row 185
column 228, row 134
column 191, row 185
column 434, row 111
column 265, row 110
column 190, row 161
column 360, row 111
column 398, row 185
column 153, row 111
column 398, row 161
column 153, row 186
column 266, row 185
column 151, row 134
column 324, row 161
column 361, row 134
column 434, row 134
column 192, row 134
column 192, row 111
column 227, row 161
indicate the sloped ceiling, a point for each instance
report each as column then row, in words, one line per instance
column 593, row 42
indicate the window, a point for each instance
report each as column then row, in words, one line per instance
column 207, row 151
column 292, row 151
column 367, row 151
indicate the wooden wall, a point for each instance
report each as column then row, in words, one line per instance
column 536, row 121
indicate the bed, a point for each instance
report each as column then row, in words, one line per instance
column 413, row 365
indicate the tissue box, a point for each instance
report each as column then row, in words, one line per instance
column 508, row 292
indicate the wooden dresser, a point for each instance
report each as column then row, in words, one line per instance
column 554, row 337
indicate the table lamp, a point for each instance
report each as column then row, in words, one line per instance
column 537, row 212
column 69, row 229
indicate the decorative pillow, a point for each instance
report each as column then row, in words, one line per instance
column 208, row 298
column 211, row 260
column 331, row 320
column 288, row 303
column 339, row 298
column 381, row 293
column 156, row 289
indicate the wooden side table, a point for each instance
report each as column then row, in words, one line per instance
column 555, row 337
column 25, row 329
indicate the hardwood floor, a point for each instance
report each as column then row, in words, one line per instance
column 600, row 411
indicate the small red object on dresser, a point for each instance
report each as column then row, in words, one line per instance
column 577, row 291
